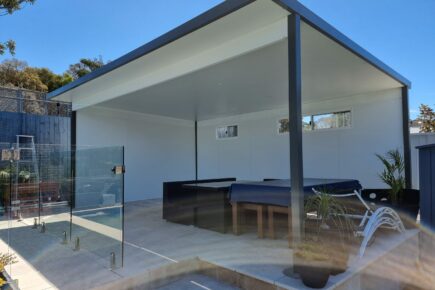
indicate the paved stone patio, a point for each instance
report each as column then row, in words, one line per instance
column 152, row 243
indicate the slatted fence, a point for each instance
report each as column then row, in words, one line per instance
column 25, row 112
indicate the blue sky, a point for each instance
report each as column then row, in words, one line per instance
column 56, row 33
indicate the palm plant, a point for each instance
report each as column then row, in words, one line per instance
column 4, row 176
column 393, row 173
column 4, row 184
column 329, row 210
column 6, row 259
column 24, row 176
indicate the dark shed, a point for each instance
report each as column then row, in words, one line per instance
column 427, row 185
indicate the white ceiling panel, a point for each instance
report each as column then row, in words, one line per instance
column 258, row 81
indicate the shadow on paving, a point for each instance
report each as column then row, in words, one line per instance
column 58, row 262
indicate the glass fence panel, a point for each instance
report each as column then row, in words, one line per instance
column 55, row 189
column 25, row 182
column 5, row 189
column 57, row 200
column 24, row 203
column 97, row 213
column 10, row 223
column 5, row 170
column 233, row 217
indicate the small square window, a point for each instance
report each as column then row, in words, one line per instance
column 227, row 132
column 283, row 126
column 307, row 123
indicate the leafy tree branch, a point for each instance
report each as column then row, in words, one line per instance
column 8, row 7
column 426, row 119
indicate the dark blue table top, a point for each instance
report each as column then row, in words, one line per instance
column 217, row 185
column 278, row 192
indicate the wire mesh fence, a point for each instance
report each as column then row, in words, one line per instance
column 31, row 102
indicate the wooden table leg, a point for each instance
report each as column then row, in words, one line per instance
column 290, row 232
column 270, row 222
column 236, row 218
column 260, row 219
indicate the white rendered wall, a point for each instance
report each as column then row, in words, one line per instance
column 260, row 152
column 157, row 149
column 418, row 140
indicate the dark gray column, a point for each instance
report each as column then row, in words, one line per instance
column 196, row 150
column 73, row 149
column 406, row 141
column 295, row 126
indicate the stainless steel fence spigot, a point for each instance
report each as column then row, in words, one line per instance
column 43, row 227
column 77, row 244
column 35, row 223
column 64, row 238
column 112, row 261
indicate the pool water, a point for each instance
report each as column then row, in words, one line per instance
column 111, row 217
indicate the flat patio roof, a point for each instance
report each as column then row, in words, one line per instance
column 239, row 27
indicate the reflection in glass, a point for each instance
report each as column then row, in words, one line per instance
column 332, row 120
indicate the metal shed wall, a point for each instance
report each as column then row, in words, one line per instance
column 427, row 185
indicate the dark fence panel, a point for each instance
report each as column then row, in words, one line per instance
column 45, row 129
column 427, row 185
column 24, row 112
column 427, row 204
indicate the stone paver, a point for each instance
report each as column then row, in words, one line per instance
column 197, row 282
column 150, row 243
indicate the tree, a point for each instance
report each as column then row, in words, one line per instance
column 51, row 80
column 8, row 7
column 16, row 73
column 426, row 119
column 8, row 45
column 84, row 66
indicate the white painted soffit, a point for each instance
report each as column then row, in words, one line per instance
column 254, row 26
column 258, row 81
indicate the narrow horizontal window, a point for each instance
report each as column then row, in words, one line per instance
column 283, row 124
column 227, row 132
column 319, row 122
column 332, row 120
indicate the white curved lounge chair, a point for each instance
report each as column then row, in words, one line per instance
column 373, row 219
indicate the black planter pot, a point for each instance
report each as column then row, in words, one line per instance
column 340, row 262
column 314, row 275
column 339, row 242
column 340, row 248
column 407, row 207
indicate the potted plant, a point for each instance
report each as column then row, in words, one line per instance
column 328, row 209
column 4, row 189
column 331, row 227
column 405, row 201
column 314, row 263
column 5, row 259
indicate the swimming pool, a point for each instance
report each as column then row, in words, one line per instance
column 111, row 217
